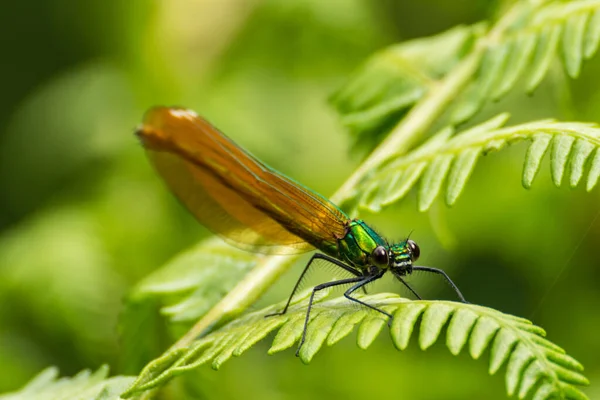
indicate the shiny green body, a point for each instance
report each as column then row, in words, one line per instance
column 356, row 246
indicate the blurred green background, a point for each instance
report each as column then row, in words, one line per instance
column 83, row 217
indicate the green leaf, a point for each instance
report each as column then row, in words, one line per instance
column 523, row 43
column 581, row 152
column 432, row 180
column 521, row 52
column 85, row 385
column 491, row 71
column 291, row 332
column 182, row 290
column 344, row 326
column 456, row 157
column 533, row 160
column 394, row 79
column 558, row 158
column 514, row 339
column 546, row 48
column 481, row 336
column 532, row 375
column 592, row 36
column 459, row 330
column 370, row 328
column 434, row 319
column 503, row 345
column 572, row 43
column 403, row 324
column 316, row 334
column 519, row 359
column 195, row 280
column 460, row 172
column 594, row 172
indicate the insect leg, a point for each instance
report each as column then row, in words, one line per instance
column 366, row 280
column 310, row 302
column 440, row 272
column 316, row 256
column 408, row 286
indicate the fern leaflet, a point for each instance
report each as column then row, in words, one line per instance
column 454, row 158
column 534, row 364
column 520, row 45
column 527, row 47
column 85, row 385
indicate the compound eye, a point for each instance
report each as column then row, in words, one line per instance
column 380, row 256
column 415, row 252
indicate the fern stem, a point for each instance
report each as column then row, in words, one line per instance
column 415, row 124
column 247, row 291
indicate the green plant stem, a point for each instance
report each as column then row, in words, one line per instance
column 246, row 292
column 415, row 124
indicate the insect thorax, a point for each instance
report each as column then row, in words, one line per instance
column 358, row 243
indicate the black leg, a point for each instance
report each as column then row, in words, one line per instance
column 361, row 284
column 316, row 256
column 440, row 272
column 408, row 286
column 310, row 302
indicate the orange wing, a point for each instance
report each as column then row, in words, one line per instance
column 234, row 194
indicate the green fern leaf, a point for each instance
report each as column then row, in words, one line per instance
column 455, row 157
column 546, row 48
column 560, row 153
column 533, row 159
column 572, row 43
column 521, row 52
column 491, row 72
column 190, row 284
column 460, row 327
column 594, row 172
column 432, row 180
column 531, row 359
column 434, row 319
column 592, row 36
column 85, row 385
column 460, row 172
column 394, row 79
column 522, row 44
column 183, row 290
column 581, row 152
column 370, row 328
column 538, row 33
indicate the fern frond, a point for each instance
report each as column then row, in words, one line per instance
column 394, row 79
column 183, row 290
column 534, row 364
column 85, row 385
column 195, row 280
column 454, row 158
column 521, row 45
column 527, row 48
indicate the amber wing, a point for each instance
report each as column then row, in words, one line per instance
column 234, row 194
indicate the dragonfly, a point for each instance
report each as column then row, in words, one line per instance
column 254, row 207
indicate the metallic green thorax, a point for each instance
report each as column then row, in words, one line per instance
column 359, row 242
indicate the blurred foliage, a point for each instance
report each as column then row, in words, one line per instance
column 85, row 385
column 384, row 88
column 84, row 219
